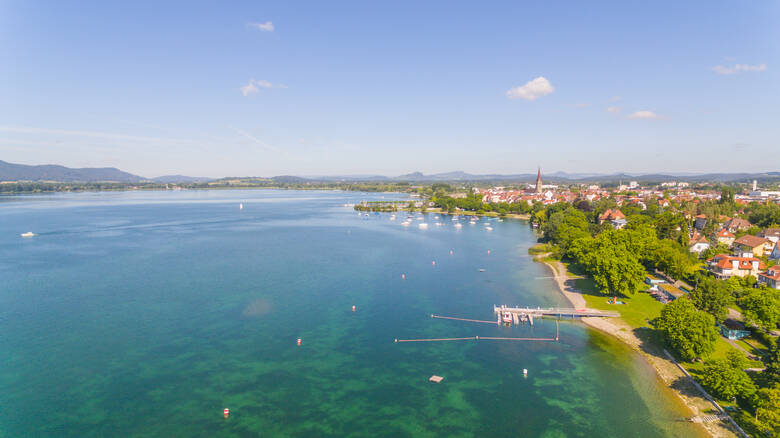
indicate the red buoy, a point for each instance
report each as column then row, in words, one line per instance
column 353, row 308
column 227, row 412
column 433, row 263
column 299, row 342
column 403, row 276
column 488, row 251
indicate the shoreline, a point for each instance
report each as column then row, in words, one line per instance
column 667, row 372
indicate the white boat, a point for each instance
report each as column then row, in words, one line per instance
column 240, row 206
column 458, row 225
column 472, row 223
column 489, row 228
column 405, row 223
column 423, row 226
column 436, row 217
column 392, row 218
column 28, row 234
column 454, row 218
column 438, row 224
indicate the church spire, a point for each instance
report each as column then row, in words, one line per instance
column 539, row 180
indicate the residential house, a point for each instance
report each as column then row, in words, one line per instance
column 700, row 221
column 615, row 217
column 770, row 278
column 698, row 243
column 772, row 234
column 725, row 266
column 751, row 246
column 725, row 237
column 736, row 224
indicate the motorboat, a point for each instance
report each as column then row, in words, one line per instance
column 423, row 226
column 28, row 234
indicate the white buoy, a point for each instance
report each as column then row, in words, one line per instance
column 240, row 206
column 433, row 263
column 403, row 276
column 525, row 372
column 451, row 252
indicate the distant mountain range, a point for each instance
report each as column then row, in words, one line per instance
column 51, row 172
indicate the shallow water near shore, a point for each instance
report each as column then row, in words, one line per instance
column 147, row 313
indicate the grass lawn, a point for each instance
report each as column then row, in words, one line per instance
column 540, row 248
column 638, row 310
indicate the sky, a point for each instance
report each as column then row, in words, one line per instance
column 356, row 88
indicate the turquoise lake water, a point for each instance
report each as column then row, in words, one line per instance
column 147, row 313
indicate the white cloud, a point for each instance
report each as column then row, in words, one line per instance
column 254, row 86
column 736, row 68
column 616, row 98
column 263, row 27
column 580, row 105
column 614, row 109
column 532, row 90
column 643, row 115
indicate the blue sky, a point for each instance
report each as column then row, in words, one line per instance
column 324, row 88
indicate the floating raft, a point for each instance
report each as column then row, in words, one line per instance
column 436, row 379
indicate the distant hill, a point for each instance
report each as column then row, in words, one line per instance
column 167, row 179
column 53, row 172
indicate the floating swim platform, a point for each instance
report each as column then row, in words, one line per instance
column 436, row 379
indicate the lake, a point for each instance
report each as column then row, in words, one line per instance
column 148, row 313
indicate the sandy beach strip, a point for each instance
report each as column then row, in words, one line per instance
column 667, row 371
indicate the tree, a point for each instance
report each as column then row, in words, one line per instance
column 688, row 331
column 772, row 362
column 616, row 270
column 672, row 259
column 762, row 308
column 726, row 379
column 713, row 296
column 671, row 226
column 768, row 409
column 727, row 196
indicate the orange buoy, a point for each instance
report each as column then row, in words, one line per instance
column 299, row 342
column 353, row 308
column 227, row 412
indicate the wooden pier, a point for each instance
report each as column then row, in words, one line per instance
column 527, row 314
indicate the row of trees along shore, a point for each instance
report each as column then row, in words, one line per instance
column 657, row 239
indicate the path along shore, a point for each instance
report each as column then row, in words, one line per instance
column 666, row 369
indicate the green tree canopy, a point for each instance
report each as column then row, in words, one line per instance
column 688, row 331
column 726, row 379
column 768, row 409
column 762, row 307
column 713, row 296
